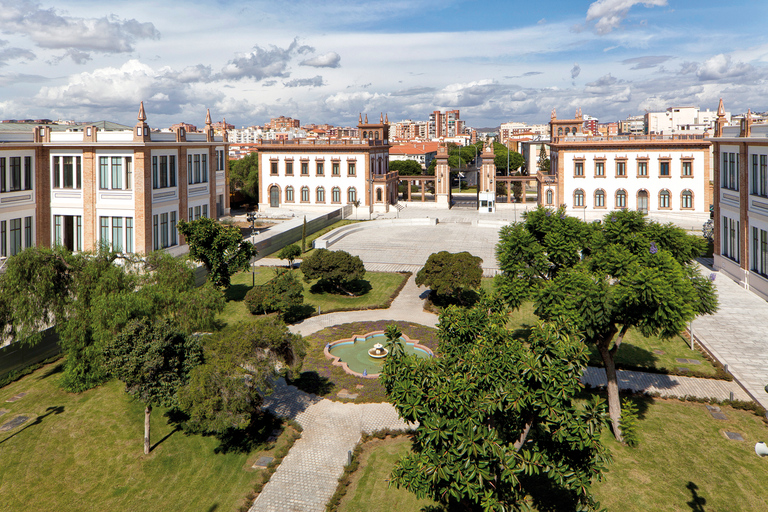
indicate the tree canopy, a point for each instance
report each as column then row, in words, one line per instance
column 227, row 390
column 516, row 160
column 220, row 248
column 338, row 269
column 154, row 361
column 498, row 426
column 283, row 293
column 290, row 253
column 406, row 167
column 450, row 275
column 605, row 278
column 244, row 176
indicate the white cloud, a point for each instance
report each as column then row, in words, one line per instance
column 721, row 66
column 575, row 71
column 316, row 81
column 327, row 60
column 611, row 13
column 48, row 29
column 262, row 63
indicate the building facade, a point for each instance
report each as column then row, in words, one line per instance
column 126, row 188
column 328, row 173
column 646, row 173
column 741, row 202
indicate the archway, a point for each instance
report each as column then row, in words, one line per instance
column 274, row 197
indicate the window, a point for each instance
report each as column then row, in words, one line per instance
column 174, row 232
column 117, row 234
column 164, row 232
column 320, row 168
column 760, row 251
column 219, row 160
column 599, row 198
column 197, row 212
column 351, row 168
column 15, row 239
column 335, row 169
column 599, row 169
column 273, row 168
column 642, row 168
column 163, row 171
column 305, row 168
column 68, row 231
column 351, row 195
column 67, row 172
column 550, row 196
column 320, row 195
column 729, row 172
column 196, row 167
column 205, row 211
column 686, row 199
column 16, row 173
column 14, row 176
column 304, row 194
column 621, row 199
column 621, row 168
column 28, row 232
column 578, row 197
column 336, row 195
column 664, row 168
column 204, row 167
column 731, row 242
column 759, row 175
column 104, row 230
column 28, row 173
column 687, row 168
column 664, row 199
column 129, row 233
column 164, row 227
column 3, row 235
column 117, row 172
column 578, row 169
column 3, row 175
column 378, row 195
column 288, row 194
column 289, row 168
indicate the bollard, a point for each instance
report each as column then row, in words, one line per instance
column 349, row 457
column 725, row 368
column 731, row 396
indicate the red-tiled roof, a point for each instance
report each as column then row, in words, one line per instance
column 417, row 148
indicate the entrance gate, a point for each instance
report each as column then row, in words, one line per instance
column 274, row 197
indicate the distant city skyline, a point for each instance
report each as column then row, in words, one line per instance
column 496, row 61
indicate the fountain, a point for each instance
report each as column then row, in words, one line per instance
column 378, row 351
column 363, row 356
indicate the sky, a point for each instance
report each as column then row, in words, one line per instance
column 328, row 61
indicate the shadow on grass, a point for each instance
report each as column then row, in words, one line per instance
column 523, row 332
column 57, row 409
column 358, row 287
column 642, row 402
column 298, row 313
column 213, row 507
column 53, row 370
column 629, row 356
column 697, row 502
column 312, row 382
column 169, row 434
column 236, row 292
column 235, row 440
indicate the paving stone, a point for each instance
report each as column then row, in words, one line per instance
column 659, row 352
column 346, row 395
column 734, row 436
column 262, row 462
column 719, row 416
column 12, row 424
column 16, row 397
column 3, row 411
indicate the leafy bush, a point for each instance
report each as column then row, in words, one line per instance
column 629, row 417
column 283, row 294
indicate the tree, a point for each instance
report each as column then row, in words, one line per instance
column 244, row 176
column 220, row 248
column 283, row 293
column 154, row 361
column 431, row 167
column 450, row 275
column 498, row 426
column 290, row 253
column 227, row 390
column 335, row 268
column 515, row 159
column 406, row 167
column 544, row 163
column 605, row 278
column 90, row 298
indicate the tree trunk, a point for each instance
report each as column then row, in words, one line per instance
column 147, row 412
column 614, row 403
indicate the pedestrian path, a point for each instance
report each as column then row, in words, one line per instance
column 671, row 386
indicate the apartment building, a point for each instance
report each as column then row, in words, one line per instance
column 741, row 202
column 83, row 186
column 421, row 152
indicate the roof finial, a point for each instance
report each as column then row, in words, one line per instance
column 381, row 117
column 366, row 118
column 554, row 113
column 386, row 118
column 721, row 108
column 360, row 119
column 142, row 115
column 208, row 117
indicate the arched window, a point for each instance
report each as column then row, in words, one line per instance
column 320, row 195
column 288, row 194
column 621, row 199
column 550, row 197
column 378, row 195
column 351, row 195
column 567, row 130
column 559, row 131
column 664, row 199
column 305, row 194
column 686, row 199
column 376, row 135
column 599, row 198
column 365, row 135
column 336, row 195
column 578, row 197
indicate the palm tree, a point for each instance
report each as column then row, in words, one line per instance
column 394, row 341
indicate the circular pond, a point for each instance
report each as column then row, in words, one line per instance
column 354, row 354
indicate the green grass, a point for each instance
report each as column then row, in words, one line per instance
column 83, row 452
column 319, row 376
column 382, row 287
column 682, row 450
column 636, row 351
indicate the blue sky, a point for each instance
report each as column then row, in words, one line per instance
column 496, row 61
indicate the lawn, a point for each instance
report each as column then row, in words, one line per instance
column 637, row 351
column 84, row 451
column 683, row 462
column 382, row 287
column 319, row 376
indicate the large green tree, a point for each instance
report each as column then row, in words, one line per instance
column 154, row 361
column 338, row 269
column 220, row 248
column 240, row 365
column 283, row 293
column 605, row 278
column 498, row 426
column 244, row 176
column 406, row 167
column 451, row 275
column 504, row 156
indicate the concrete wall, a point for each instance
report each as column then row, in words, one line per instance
column 266, row 245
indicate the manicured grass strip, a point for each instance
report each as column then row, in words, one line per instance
column 383, row 286
column 683, row 462
column 83, row 452
column 320, row 377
